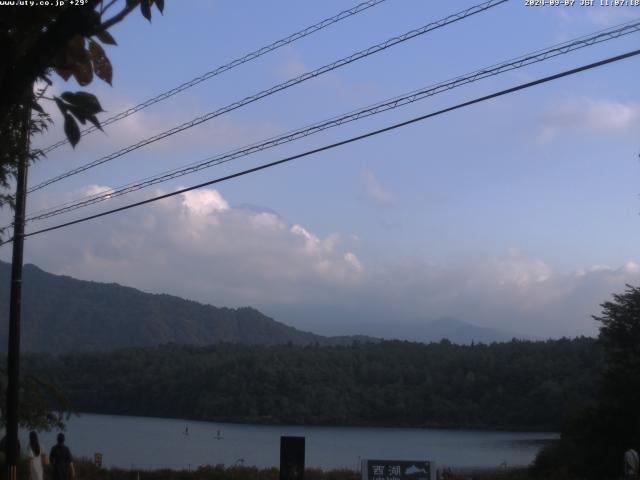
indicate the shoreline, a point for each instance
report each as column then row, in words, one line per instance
column 252, row 422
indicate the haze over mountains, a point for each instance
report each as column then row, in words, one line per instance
column 387, row 324
column 63, row 314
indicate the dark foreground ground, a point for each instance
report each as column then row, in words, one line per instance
column 86, row 470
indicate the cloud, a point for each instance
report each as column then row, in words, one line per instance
column 203, row 202
column 596, row 116
column 514, row 292
column 197, row 245
column 375, row 191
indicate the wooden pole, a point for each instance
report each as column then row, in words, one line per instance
column 13, row 356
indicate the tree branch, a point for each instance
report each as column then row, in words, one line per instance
column 103, row 9
column 118, row 17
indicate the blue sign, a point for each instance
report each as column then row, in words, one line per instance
column 397, row 470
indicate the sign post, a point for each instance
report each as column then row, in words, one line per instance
column 291, row 458
column 398, row 470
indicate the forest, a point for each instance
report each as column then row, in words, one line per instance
column 514, row 385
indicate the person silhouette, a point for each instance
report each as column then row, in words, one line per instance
column 35, row 457
column 631, row 464
column 61, row 461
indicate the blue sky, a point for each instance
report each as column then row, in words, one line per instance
column 519, row 213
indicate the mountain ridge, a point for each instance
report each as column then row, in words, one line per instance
column 62, row 314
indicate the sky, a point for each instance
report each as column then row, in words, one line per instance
column 519, row 213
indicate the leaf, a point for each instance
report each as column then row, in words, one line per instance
column 93, row 119
column 71, row 130
column 132, row 3
column 90, row 22
column 78, row 113
column 106, row 38
column 36, row 106
column 145, row 8
column 101, row 64
column 76, row 43
column 83, row 73
column 63, row 72
column 87, row 101
column 160, row 5
column 78, row 61
column 61, row 105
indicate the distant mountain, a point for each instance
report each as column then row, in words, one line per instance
column 388, row 325
column 62, row 314
column 455, row 330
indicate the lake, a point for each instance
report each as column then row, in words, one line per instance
column 149, row 443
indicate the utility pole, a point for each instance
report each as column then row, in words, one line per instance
column 13, row 356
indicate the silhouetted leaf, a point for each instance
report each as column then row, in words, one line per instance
column 63, row 72
column 106, row 38
column 78, row 60
column 36, row 106
column 93, row 119
column 68, row 97
column 61, row 105
column 71, row 129
column 89, row 22
column 90, row 102
column 145, row 8
column 86, row 101
column 83, row 73
column 160, row 5
column 101, row 64
column 78, row 113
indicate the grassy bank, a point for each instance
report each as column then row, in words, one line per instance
column 87, row 470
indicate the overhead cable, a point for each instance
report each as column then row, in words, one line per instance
column 396, row 102
column 224, row 68
column 522, row 86
column 277, row 88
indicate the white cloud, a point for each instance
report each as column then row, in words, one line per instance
column 203, row 202
column 595, row 116
column 632, row 268
column 351, row 259
column 198, row 246
column 375, row 191
column 514, row 292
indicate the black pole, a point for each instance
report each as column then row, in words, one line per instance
column 13, row 356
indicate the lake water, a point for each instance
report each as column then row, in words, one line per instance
column 148, row 443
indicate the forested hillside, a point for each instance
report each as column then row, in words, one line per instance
column 62, row 314
column 514, row 385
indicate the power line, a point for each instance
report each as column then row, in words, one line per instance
column 522, row 61
column 282, row 86
column 224, row 68
column 343, row 142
